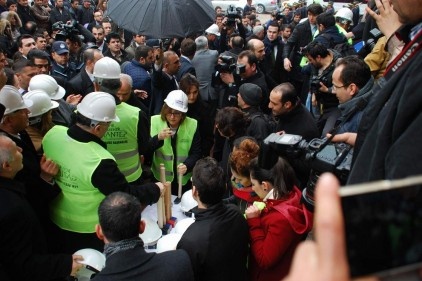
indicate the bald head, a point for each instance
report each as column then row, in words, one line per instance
column 257, row 47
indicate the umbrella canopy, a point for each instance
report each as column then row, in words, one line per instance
column 162, row 18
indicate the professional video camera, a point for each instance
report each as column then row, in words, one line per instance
column 281, row 16
column 228, row 65
column 369, row 44
column 232, row 14
column 321, row 154
column 66, row 30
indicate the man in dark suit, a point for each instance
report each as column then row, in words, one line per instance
column 204, row 63
column 274, row 54
column 82, row 84
column 163, row 79
column 292, row 53
column 187, row 50
column 120, row 224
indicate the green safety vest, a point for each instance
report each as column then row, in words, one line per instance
column 76, row 207
column 122, row 141
column 344, row 32
column 165, row 153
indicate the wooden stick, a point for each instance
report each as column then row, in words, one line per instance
column 167, row 201
column 161, row 215
column 179, row 181
column 160, row 212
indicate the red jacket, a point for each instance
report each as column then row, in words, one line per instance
column 274, row 235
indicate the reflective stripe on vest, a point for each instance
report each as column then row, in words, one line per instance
column 76, row 208
column 122, row 141
column 165, row 153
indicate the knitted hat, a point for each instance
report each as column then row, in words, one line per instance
column 251, row 94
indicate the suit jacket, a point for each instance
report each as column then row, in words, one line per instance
column 162, row 84
column 136, row 264
column 56, row 15
column 204, row 62
column 80, row 84
column 185, row 67
column 300, row 37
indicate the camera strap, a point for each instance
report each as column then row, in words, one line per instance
column 404, row 57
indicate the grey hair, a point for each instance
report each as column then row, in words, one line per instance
column 127, row 78
column 257, row 29
column 5, row 154
column 201, row 43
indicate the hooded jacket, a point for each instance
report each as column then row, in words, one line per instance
column 283, row 224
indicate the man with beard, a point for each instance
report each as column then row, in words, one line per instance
column 138, row 68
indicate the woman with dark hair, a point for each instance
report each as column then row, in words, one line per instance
column 243, row 152
column 6, row 39
column 175, row 141
column 230, row 124
column 200, row 111
column 279, row 223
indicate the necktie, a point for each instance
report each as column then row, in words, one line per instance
column 314, row 29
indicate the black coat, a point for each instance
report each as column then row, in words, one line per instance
column 63, row 15
column 301, row 36
column 136, row 264
column 390, row 128
column 162, row 85
column 80, row 84
column 25, row 14
column 217, row 244
column 22, row 242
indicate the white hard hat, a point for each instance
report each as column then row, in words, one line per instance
column 12, row 99
column 48, row 84
column 177, row 100
column 168, row 242
column 213, row 29
column 151, row 233
column 107, row 68
column 98, row 106
column 345, row 13
column 182, row 225
column 41, row 102
column 187, row 203
column 94, row 262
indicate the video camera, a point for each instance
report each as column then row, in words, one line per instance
column 369, row 44
column 232, row 14
column 228, row 65
column 66, row 30
column 321, row 154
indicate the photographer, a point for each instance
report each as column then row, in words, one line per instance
column 246, row 72
column 322, row 62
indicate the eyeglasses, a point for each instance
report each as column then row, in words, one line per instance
column 335, row 87
column 175, row 114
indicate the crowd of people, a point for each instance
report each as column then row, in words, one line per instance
column 90, row 111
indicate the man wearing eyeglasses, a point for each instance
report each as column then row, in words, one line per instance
column 352, row 84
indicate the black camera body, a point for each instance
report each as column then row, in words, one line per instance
column 375, row 35
column 315, row 83
column 322, row 156
column 227, row 65
column 66, row 30
column 232, row 14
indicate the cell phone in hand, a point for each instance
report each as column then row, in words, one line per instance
column 383, row 225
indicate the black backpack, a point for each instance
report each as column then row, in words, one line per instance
column 344, row 48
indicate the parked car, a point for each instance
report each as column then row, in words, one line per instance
column 262, row 6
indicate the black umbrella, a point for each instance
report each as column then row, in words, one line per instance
column 162, row 18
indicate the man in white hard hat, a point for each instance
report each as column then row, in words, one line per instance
column 88, row 172
column 120, row 225
column 22, row 241
column 128, row 139
column 37, row 174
